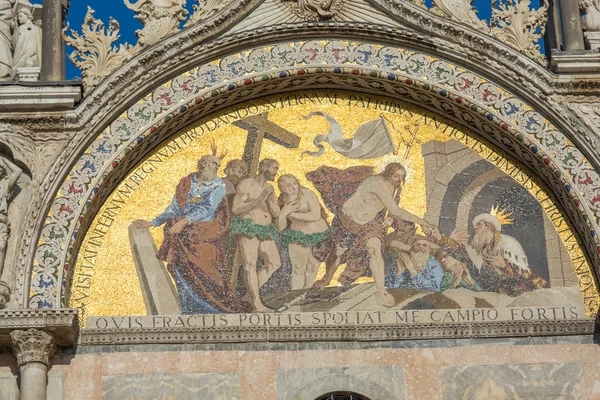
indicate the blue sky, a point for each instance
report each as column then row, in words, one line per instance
column 115, row 8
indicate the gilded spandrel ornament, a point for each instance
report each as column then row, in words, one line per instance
column 514, row 23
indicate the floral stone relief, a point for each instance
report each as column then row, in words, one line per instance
column 513, row 23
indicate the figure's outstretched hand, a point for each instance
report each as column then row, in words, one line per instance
column 140, row 224
column 432, row 231
column 460, row 236
column 179, row 226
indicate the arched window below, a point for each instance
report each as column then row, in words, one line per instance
column 342, row 396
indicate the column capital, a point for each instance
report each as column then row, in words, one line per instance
column 32, row 346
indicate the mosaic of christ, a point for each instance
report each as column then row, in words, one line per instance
column 326, row 201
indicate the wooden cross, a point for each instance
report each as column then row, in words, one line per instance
column 259, row 127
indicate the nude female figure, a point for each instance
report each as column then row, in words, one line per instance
column 303, row 224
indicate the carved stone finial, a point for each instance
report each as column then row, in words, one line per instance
column 4, row 295
column 160, row 18
column 32, row 346
column 206, row 9
column 94, row 52
column 515, row 24
column 316, row 9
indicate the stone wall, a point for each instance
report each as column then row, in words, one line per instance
column 529, row 368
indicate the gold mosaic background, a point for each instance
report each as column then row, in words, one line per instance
column 115, row 289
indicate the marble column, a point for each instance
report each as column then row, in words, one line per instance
column 53, row 45
column 571, row 25
column 33, row 350
column 553, row 35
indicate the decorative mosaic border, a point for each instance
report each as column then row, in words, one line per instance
column 433, row 84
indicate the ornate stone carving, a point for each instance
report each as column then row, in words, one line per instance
column 590, row 22
column 27, row 41
column 591, row 19
column 338, row 333
column 311, row 9
column 9, row 174
column 32, row 346
column 6, row 47
column 65, row 7
column 4, row 295
column 94, row 52
column 63, row 324
column 205, row 9
column 461, row 11
column 159, row 17
column 516, row 25
column 589, row 115
column 20, row 36
column 36, row 151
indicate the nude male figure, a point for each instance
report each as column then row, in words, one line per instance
column 359, row 216
column 255, row 208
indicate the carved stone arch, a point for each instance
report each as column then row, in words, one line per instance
column 192, row 47
column 77, row 201
column 200, row 44
column 15, row 147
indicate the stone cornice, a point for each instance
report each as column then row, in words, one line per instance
column 337, row 333
column 63, row 327
column 28, row 98
column 62, row 324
